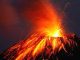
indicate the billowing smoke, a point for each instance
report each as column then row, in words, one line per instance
column 20, row 17
column 42, row 14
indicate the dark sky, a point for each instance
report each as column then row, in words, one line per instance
column 13, row 26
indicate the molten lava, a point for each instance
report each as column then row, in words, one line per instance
column 39, row 44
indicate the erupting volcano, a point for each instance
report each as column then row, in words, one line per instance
column 48, row 38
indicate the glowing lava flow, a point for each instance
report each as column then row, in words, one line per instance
column 37, row 44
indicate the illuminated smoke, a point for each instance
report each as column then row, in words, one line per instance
column 43, row 15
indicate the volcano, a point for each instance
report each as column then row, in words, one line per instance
column 39, row 46
column 48, row 40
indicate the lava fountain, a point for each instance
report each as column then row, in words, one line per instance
column 48, row 38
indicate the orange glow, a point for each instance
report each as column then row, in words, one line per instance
column 57, row 33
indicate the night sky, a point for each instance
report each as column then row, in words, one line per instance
column 14, row 26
